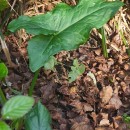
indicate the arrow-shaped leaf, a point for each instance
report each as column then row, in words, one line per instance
column 64, row 28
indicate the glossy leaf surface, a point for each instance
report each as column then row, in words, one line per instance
column 17, row 107
column 38, row 118
column 64, row 28
column 49, row 65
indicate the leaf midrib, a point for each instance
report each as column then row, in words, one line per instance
column 16, row 108
column 67, row 28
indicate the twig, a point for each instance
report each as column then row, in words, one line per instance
column 6, row 51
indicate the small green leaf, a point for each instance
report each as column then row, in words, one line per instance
column 76, row 63
column 3, row 5
column 17, row 107
column 126, row 118
column 50, row 63
column 81, row 68
column 3, row 71
column 76, row 70
column 38, row 118
column 4, row 126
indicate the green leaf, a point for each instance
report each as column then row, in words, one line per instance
column 38, row 118
column 17, row 107
column 4, row 126
column 3, row 71
column 76, row 63
column 50, row 63
column 3, row 5
column 126, row 118
column 64, row 28
column 76, row 70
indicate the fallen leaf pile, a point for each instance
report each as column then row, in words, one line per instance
column 96, row 100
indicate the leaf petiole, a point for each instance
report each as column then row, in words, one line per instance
column 31, row 88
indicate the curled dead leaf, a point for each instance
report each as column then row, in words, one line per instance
column 97, row 52
column 104, row 122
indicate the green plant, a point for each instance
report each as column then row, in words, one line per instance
column 104, row 44
column 3, row 74
column 16, row 107
column 49, row 65
column 3, row 71
column 64, row 28
column 76, row 70
column 126, row 118
column 3, row 5
column 39, row 117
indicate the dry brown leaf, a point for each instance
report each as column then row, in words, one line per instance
column 110, row 62
column 127, row 66
column 81, row 126
column 97, row 52
column 104, row 128
column 100, row 59
column 121, row 74
column 87, row 107
column 73, row 90
column 78, row 106
column 104, row 115
column 115, row 101
column 79, row 118
column 48, row 91
column 94, row 116
column 104, row 122
column 106, row 94
column 103, row 67
column 116, row 121
column 127, row 80
column 63, row 127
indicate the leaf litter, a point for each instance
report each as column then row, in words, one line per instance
column 96, row 100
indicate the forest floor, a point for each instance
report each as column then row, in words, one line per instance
column 99, row 98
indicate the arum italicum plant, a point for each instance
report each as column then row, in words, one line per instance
column 63, row 28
